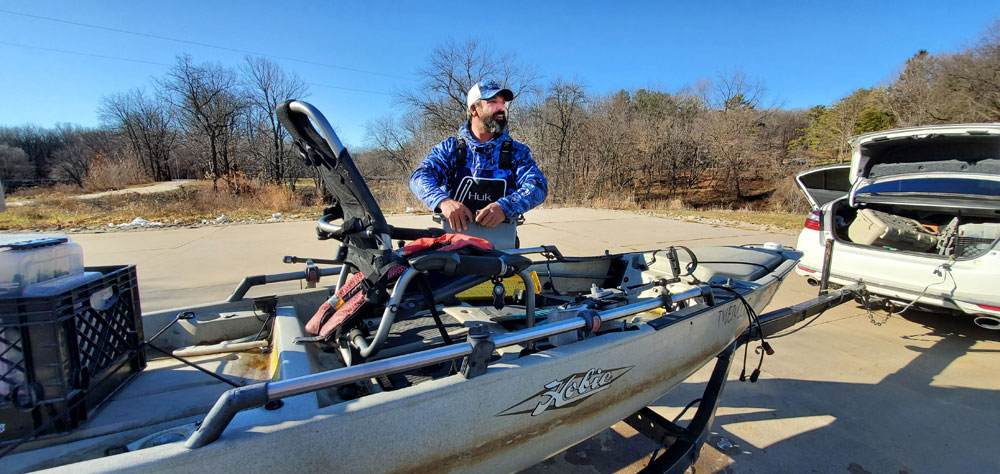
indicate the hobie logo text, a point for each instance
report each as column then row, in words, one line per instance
column 563, row 392
column 567, row 392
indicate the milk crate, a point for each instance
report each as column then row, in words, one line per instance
column 63, row 355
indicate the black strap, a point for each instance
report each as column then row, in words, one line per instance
column 507, row 155
column 507, row 163
column 425, row 289
column 461, row 153
column 461, row 159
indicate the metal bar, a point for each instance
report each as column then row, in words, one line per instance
column 824, row 280
column 292, row 276
column 525, row 251
column 213, row 426
column 318, row 261
column 529, row 303
column 572, row 275
column 322, row 125
column 778, row 320
column 313, row 382
column 543, row 249
column 321, row 380
column 388, row 316
column 193, row 365
column 683, row 452
column 252, row 281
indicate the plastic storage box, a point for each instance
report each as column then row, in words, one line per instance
column 882, row 229
column 63, row 355
column 26, row 259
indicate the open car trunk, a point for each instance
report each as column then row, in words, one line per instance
column 948, row 233
column 930, row 190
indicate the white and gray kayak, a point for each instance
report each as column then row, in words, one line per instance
column 410, row 408
column 441, row 355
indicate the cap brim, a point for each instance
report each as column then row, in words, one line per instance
column 506, row 93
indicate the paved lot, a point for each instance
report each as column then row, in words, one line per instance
column 917, row 394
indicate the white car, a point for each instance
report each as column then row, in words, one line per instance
column 915, row 216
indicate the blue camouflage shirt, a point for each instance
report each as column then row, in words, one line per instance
column 430, row 178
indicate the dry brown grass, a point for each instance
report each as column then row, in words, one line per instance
column 107, row 172
column 395, row 196
column 54, row 191
column 190, row 204
column 783, row 220
column 253, row 199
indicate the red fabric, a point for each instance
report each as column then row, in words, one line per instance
column 319, row 318
column 323, row 324
column 345, row 311
column 316, row 321
column 446, row 243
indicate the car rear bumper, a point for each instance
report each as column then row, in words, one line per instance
column 953, row 300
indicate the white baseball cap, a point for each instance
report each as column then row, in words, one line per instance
column 486, row 90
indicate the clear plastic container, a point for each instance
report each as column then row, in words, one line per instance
column 58, row 285
column 26, row 259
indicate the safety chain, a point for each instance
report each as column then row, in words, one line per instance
column 868, row 308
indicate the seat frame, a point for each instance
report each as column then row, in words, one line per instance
column 366, row 238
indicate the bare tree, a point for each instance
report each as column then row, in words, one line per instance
column 208, row 102
column 553, row 126
column 394, row 147
column 912, row 94
column 975, row 77
column 452, row 70
column 734, row 129
column 14, row 163
column 37, row 143
column 147, row 126
column 733, row 90
column 71, row 160
column 267, row 85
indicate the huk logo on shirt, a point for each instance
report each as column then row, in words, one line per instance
column 477, row 193
column 567, row 392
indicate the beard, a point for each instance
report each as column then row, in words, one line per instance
column 496, row 123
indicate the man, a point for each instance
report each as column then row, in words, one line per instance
column 486, row 177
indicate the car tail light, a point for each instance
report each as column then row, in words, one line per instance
column 989, row 307
column 814, row 220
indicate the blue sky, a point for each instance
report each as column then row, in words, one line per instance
column 805, row 52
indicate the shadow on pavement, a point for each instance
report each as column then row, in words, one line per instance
column 905, row 423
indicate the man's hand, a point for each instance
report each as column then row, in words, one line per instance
column 456, row 213
column 491, row 215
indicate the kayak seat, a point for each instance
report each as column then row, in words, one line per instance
column 447, row 265
column 453, row 263
column 739, row 263
column 438, row 265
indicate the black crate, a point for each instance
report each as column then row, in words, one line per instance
column 62, row 356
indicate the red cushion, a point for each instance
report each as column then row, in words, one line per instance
column 446, row 243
